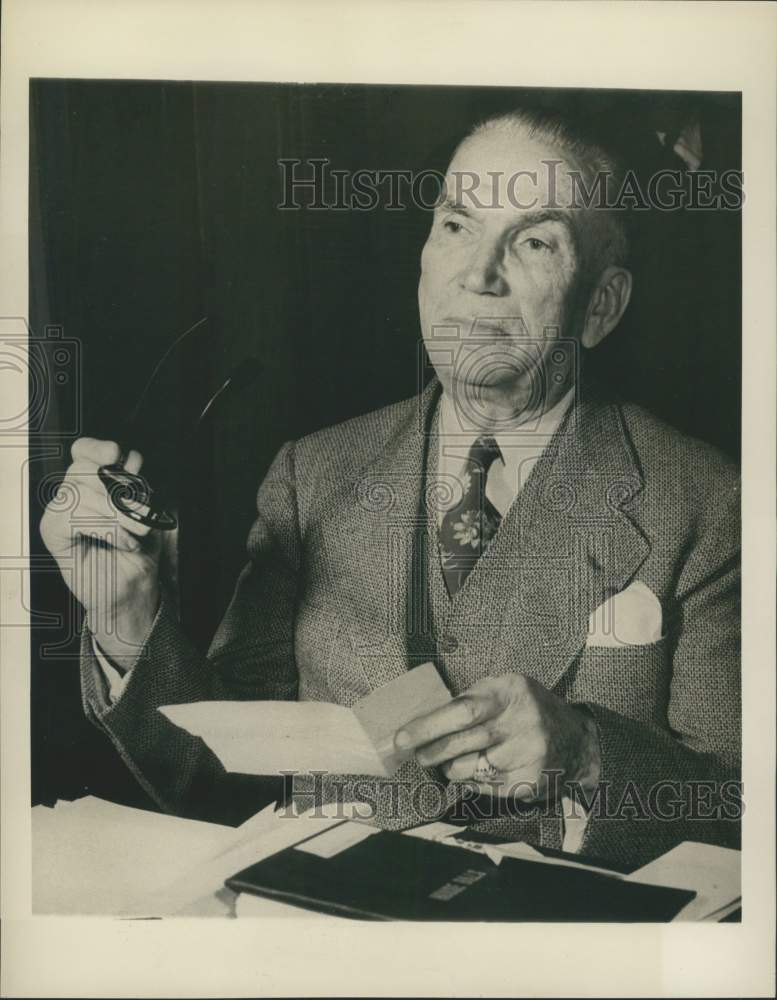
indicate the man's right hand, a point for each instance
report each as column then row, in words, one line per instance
column 109, row 561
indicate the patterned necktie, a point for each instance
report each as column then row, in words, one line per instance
column 468, row 527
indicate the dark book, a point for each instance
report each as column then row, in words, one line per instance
column 391, row 876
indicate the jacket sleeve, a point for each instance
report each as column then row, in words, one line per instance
column 659, row 787
column 251, row 657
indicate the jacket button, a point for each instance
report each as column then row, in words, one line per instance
column 448, row 643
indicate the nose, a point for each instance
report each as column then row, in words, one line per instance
column 482, row 274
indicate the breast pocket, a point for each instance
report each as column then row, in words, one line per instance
column 632, row 680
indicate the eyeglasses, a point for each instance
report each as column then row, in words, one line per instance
column 129, row 492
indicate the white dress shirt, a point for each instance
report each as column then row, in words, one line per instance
column 115, row 680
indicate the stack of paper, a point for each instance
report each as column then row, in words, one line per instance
column 91, row 856
column 713, row 872
column 200, row 892
column 94, row 857
column 269, row 737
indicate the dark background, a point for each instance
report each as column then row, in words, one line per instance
column 153, row 205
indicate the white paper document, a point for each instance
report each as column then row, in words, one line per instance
column 95, row 857
column 269, row 737
column 714, row 873
column 92, row 857
column 337, row 840
column 200, row 892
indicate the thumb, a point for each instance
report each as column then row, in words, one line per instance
column 134, row 462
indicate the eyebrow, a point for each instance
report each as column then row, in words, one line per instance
column 532, row 218
column 526, row 221
column 453, row 206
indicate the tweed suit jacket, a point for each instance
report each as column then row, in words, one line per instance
column 342, row 593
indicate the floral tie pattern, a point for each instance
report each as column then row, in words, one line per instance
column 467, row 528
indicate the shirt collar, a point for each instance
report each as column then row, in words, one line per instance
column 529, row 434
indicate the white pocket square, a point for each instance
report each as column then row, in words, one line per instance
column 630, row 618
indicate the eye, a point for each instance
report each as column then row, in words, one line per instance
column 535, row 244
column 452, row 223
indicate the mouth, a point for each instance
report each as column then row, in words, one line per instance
column 484, row 326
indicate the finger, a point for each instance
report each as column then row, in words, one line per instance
column 523, row 753
column 461, row 768
column 464, row 769
column 467, row 766
column 109, row 537
column 83, row 467
column 93, row 450
column 463, row 712
column 93, row 499
column 82, row 464
column 438, row 751
column 134, row 462
column 76, row 500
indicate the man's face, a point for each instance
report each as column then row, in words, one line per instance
column 499, row 279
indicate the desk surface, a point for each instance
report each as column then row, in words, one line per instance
column 94, row 857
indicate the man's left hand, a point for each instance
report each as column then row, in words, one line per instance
column 509, row 734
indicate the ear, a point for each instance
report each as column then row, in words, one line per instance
column 606, row 306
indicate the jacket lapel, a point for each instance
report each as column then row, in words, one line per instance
column 564, row 547
column 384, row 532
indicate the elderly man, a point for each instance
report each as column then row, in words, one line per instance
column 569, row 563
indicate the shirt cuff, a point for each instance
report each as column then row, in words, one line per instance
column 575, row 823
column 116, row 681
